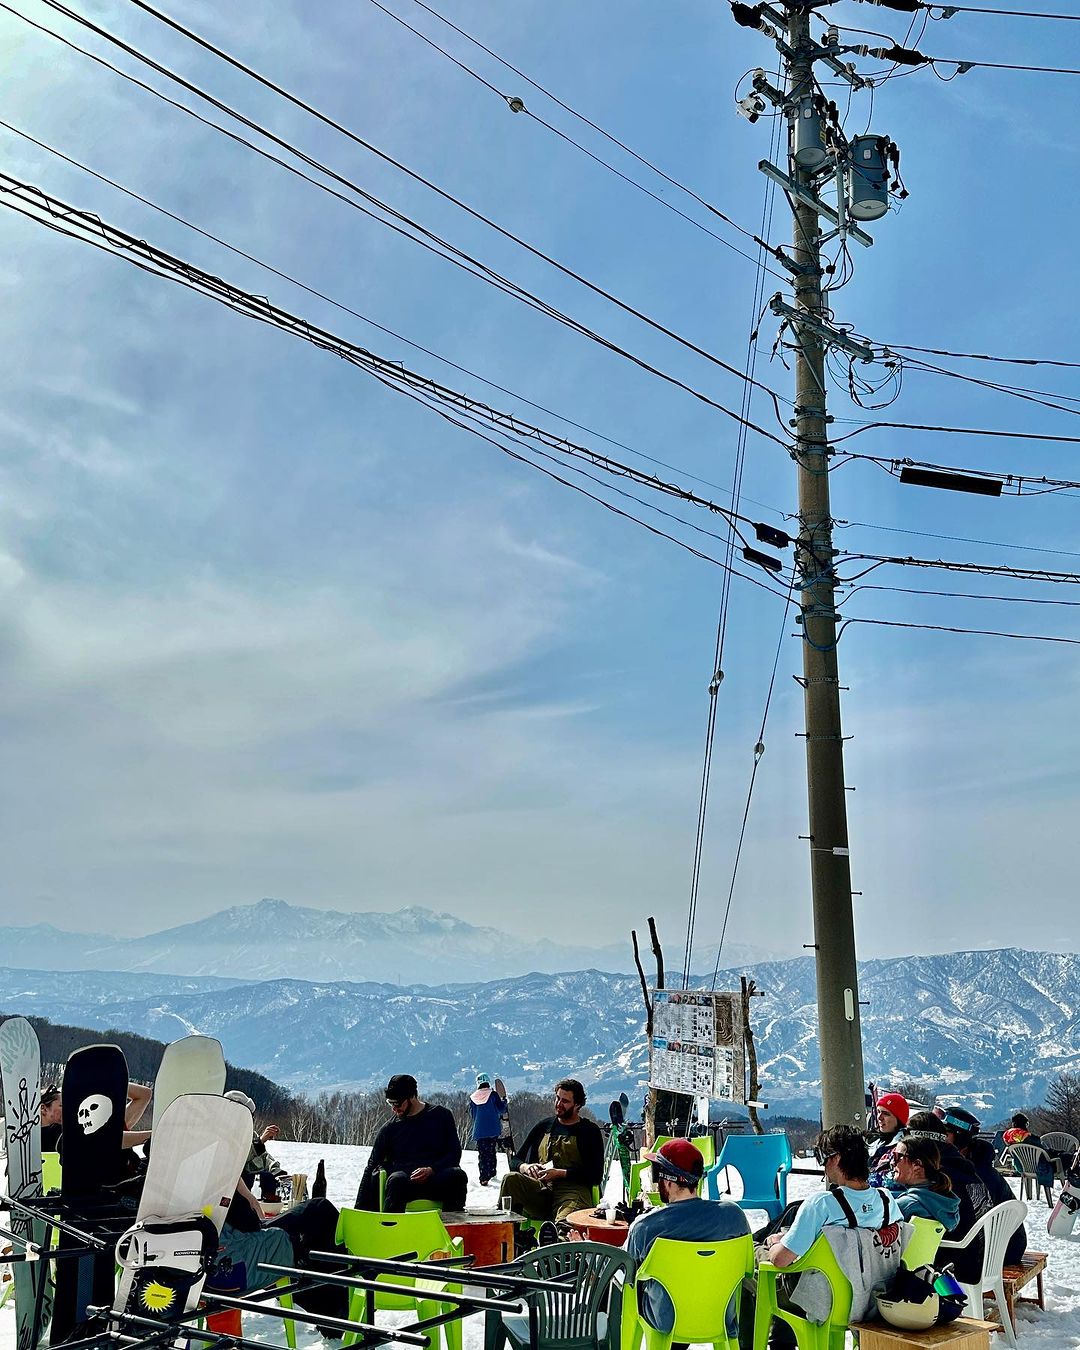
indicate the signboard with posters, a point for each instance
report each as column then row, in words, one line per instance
column 697, row 1044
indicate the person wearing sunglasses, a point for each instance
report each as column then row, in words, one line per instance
column 890, row 1116
column 419, row 1150
column 927, row 1192
column 962, row 1134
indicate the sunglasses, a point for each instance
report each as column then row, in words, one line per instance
column 396, row 1101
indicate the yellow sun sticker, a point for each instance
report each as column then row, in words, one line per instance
column 158, row 1297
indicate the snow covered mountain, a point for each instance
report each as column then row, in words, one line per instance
column 990, row 1028
column 274, row 940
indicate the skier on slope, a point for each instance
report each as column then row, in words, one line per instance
column 487, row 1109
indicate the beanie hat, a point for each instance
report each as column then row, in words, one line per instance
column 401, row 1087
column 1019, row 1119
column 896, row 1105
column 237, row 1096
column 483, row 1080
column 678, row 1158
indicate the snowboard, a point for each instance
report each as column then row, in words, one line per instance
column 94, row 1095
column 618, row 1141
column 200, row 1145
column 506, row 1138
column 20, row 1068
column 1062, row 1220
column 191, row 1064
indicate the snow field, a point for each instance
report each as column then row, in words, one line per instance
column 1058, row 1328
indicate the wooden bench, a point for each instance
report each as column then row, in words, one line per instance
column 1014, row 1278
column 966, row 1333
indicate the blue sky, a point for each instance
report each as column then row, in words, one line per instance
column 269, row 629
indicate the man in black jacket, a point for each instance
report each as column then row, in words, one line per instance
column 420, row 1151
column 556, row 1168
column 962, row 1131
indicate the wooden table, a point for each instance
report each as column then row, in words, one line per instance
column 966, row 1333
column 487, row 1238
column 611, row 1231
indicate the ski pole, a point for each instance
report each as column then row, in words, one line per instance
column 409, row 1290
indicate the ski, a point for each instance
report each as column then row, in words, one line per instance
column 94, row 1096
column 20, row 1068
column 200, row 1145
column 506, row 1138
column 191, row 1064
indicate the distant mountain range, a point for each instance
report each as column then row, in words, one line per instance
column 989, row 1028
column 275, row 940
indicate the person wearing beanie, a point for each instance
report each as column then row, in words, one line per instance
column 890, row 1116
column 1018, row 1132
column 260, row 1166
column 419, row 1150
column 683, row 1216
column 487, row 1109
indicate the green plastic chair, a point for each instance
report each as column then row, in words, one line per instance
column 638, row 1171
column 386, row 1236
column 926, row 1235
column 702, row 1142
column 51, row 1172
column 809, row 1335
column 587, row 1316
column 701, row 1279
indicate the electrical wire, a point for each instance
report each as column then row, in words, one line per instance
column 29, row 201
column 364, row 318
column 517, row 105
column 383, row 155
column 956, row 431
column 955, row 538
column 945, row 565
column 1012, row 484
column 759, row 751
column 1011, row 13
column 964, row 595
column 982, row 356
column 946, row 628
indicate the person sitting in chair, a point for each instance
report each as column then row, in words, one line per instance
column 420, row 1151
column 561, row 1160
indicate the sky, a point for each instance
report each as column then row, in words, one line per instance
column 270, row 629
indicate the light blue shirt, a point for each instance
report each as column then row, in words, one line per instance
column 820, row 1210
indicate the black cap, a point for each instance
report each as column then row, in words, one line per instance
column 960, row 1121
column 401, row 1087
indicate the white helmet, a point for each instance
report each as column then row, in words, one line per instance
column 903, row 1313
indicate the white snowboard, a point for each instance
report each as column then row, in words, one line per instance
column 20, row 1067
column 197, row 1152
column 193, row 1064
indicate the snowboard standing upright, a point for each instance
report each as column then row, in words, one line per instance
column 618, row 1145
column 20, row 1067
column 200, row 1146
column 191, row 1064
column 506, row 1138
column 93, row 1102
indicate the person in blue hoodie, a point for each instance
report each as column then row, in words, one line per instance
column 487, row 1109
column 926, row 1190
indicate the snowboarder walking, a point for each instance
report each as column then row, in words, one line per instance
column 487, row 1109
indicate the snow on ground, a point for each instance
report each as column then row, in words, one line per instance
column 1058, row 1328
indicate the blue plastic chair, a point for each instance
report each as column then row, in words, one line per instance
column 763, row 1161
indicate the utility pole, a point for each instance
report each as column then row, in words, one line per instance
column 820, row 153
column 839, row 1030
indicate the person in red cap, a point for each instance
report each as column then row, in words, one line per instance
column 891, row 1118
column 684, row 1216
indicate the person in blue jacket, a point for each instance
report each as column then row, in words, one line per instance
column 487, row 1109
column 927, row 1191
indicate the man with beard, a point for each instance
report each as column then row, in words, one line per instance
column 561, row 1160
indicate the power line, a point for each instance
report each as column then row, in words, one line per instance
column 431, row 241
column 956, row 538
column 1012, row 484
column 29, row 201
column 978, row 569
column 517, row 105
column 955, row 431
column 966, row 595
column 387, row 158
column 1011, row 13
column 364, row 318
column 947, row 628
column 982, row 356
column 991, row 65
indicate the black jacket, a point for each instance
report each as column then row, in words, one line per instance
column 590, row 1144
column 428, row 1139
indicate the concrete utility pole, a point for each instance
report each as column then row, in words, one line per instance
column 839, row 1031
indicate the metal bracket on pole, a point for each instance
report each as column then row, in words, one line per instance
column 807, row 198
column 831, row 335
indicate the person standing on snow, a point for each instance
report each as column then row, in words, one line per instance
column 487, row 1109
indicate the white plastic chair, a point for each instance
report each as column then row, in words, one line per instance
column 1064, row 1146
column 995, row 1227
column 1025, row 1159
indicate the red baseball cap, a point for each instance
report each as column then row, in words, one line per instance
column 678, row 1158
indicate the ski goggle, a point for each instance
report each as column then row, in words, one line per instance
column 947, row 1286
column 964, row 1126
column 822, row 1157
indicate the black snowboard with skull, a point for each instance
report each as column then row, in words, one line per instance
column 92, row 1109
